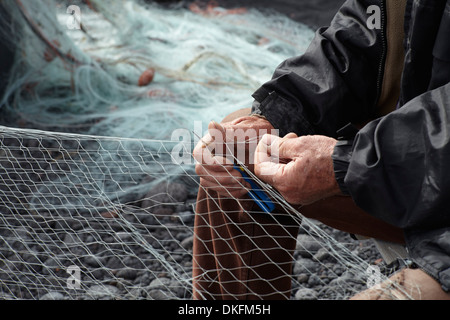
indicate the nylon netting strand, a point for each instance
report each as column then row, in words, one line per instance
column 94, row 203
column 121, row 211
column 87, row 80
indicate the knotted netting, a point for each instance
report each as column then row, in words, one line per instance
column 97, row 193
column 90, row 217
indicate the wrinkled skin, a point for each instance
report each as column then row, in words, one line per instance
column 300, row 168
column 215, row 166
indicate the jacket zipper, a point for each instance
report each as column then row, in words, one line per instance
column 384, row 50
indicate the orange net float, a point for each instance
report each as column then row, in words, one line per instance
column 146, row 77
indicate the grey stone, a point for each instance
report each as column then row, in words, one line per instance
column 102, row 292
column 321, row 254
column 127, row 273
column 306, row 294
column 53, row 296
column 314, row 280
column 94, row 261
column 304, row 265
column 307, row 245
column 188, row 242
column 159, row 283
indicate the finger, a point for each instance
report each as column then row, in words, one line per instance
column 270, row 172
column 222, row 178
column 284, row 149
column 224, row 174
column 217, row 132
column 268, row 149
column 232, row 188
column 202, row 147
column 271, row 158
column 291, row 136
column 210, row 141
column 217, row 163
column 224, row 139
column 207, row 156
column 234, row 136
column 235, row 190
column 213, row 125
column 224, row 168
column 262, row 152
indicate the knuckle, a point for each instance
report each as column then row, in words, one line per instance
column 198, row 169
column 285, row 190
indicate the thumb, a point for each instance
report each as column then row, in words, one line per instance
column 279, row 149
column 217, row 134
column 216, row 130
column 221, row 133
column 267, row 164
column 269, row 172
column 213, row 125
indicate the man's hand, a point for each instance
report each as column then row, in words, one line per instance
column 216, row 151
column 300, row 168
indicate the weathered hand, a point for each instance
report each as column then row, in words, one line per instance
column 300, row 168
column 214, row 154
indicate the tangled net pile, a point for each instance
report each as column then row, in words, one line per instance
column 93, row 202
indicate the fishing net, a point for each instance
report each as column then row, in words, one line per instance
column 90, row 217
column 89, row 80
column 97, row 192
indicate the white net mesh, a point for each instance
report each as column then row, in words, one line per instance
column 101, row 205
column 120, row 212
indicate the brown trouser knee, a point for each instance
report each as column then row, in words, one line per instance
column 243, row 253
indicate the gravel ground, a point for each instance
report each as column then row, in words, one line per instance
column 134, row 250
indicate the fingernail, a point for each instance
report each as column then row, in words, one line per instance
column 217, row 125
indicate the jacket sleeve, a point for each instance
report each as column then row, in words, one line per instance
column 336, row 81
column 398, row 167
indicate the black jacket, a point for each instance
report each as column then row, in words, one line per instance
column 385, row 94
